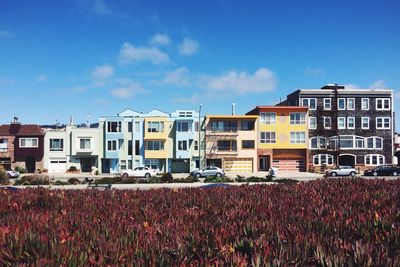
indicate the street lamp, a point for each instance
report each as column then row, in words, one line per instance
column 199, row 129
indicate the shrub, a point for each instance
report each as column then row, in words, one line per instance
column 189, row 179
column 255, row 179
column 45, row 170
column 96, row 172
column 72, row 169
column 152, row 180
column 19, row 169
column 58, row 182
column 215, row 179
column 166, row 177
column 129, row 180
column 240, row 179
column 35, row 179
column 73, row 180
column 4, row 177
column 109, row 180
column 286, row 181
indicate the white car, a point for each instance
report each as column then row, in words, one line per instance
column 145, row 172
column 343, row 171
column 13, row 174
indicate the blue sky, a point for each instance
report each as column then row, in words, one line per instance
column 98, row 57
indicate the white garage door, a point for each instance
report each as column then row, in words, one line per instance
column 57, row 165
column 238, row 165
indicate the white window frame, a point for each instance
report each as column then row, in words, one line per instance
column 295, row 140
column 31, row 139
column 268, row 141
column 383, row 103
column 118, row 128
column 160, row 143
column 319, row 159
column 182, row 144
column 309, row 101
column 318, row 138
column 116, row 145
column 344, row 123
column 179, row 126
column 310, row 125
column 270, row 115
column 354, row 104
column 330, row 122
column 362, row 106
column 85, row 138
column 374, row 142
column 344, row 106
column 326, row 102
column 362, row 123
column 383, row 123
column 51, row 140
column 380, row 160
column 348, row 122
column 302, row 119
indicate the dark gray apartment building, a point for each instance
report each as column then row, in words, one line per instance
column 347, row 127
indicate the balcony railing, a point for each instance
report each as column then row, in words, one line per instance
column 225, row 130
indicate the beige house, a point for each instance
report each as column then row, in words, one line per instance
column 231, row 142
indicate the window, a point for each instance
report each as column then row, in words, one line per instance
column 137, row 147
column 28, row 142
column 365, row 103
column 112, row 145
column 341, row 104
column 351, row 123
column 151, row 163
column 350, row 104
column 114, row 126
column 123, row 165
column 360, row 141
column 3, row 145
column 365, row 123
column 155, row 126
column 224, row 126
column 182, row 126
column 196, row 145
column 322, row 159
column 182, row 145
column 327, row 104
column 374, row 142
column 318, row 142
column 383, row 104
column 129, row 164
column 267, row 137
column 130, row 126
column 346, row 141
column 312, row 123
column 248, row 144
column 155, row 145
column 341, row 122
column 374, row 159
column 247, row 125
column 310, row 102
column 327, row 122
column 297, row 118
column 84, row 143
column 383, row 123
column 268, row 117
column 297, row 137
column 137, row 126
column 196, row 126
column 56, row 144
column 226, row 145
column 130, row 149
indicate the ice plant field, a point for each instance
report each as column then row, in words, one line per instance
column 343, row 222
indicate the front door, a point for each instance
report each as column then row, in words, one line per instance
column 86, row 164
column 30, row 164
column 264, row 163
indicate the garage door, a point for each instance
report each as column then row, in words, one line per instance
column 180, row 166
column 57, row 165
column 238, row 165
column 289, row 164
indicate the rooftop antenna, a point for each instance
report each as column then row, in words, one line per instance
column 233, row 108
column 57, row 123
column 88, row 120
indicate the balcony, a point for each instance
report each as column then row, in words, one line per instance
column 233, row 131
column 222, row 150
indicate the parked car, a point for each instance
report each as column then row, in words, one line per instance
column 145, row 172
column 13, row 174
column 383, row 170
column 208, row 171
column 343, row 171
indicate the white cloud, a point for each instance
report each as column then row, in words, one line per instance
column 102, row 72
column 98, row 7
column 188, row 47
column 194, row 99
column 310, row 71
column 178, row 77
column 351, row 86
column 41, row 78
column 5, row 34
column 240, row 83
column 78, row 89
column 130, row 54
column 379, row 84
column 160, row 39
column 127, row 89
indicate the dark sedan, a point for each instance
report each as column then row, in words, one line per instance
column 387, row 170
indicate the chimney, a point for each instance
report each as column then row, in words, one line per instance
column 233, row 109
column 15, row 121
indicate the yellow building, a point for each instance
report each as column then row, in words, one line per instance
column 231, row 142
column 282, row 137
column 158, row 140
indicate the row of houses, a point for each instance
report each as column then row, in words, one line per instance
column 310, row 130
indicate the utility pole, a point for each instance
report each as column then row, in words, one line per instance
column 199, row 129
